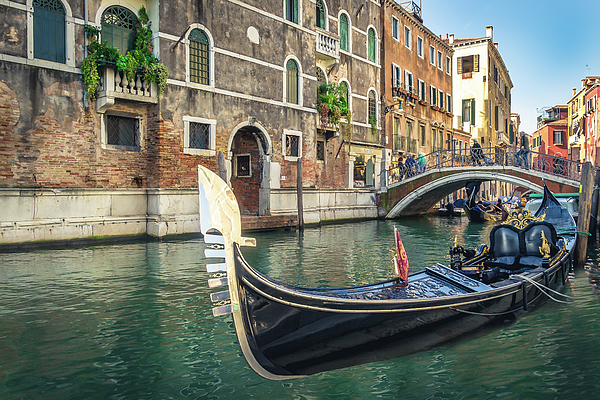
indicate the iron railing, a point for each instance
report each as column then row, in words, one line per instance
column 488, row 156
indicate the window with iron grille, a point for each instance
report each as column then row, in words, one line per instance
column 49, row 30
column 119, row 28
column 122, row 131
column 292, row 146
column 243, row 167
column 320, row 150
column 371, row 45
column 344, row 42
column 199, row 63
column 372, row 106
column 321, row 77
column 199, row 136
column 292, row 82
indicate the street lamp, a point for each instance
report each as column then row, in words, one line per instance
column 389, row 108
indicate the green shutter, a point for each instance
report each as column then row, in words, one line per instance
column 344, row 32
column 49, row 30
column 473, row 112
column 371, row 45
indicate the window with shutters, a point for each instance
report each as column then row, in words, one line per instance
column 409, row 82
column 467, row 65
column 448, row 103
column 468, row 111
column 559, row 137
column 496, row 117
column 434, row 95
column 291, row 82
column 371, row 39
column 396, row 76
column 49, row 30
column 422, row 134
column 321, row 15
column 422, row 91
column 292, row 11
column 199, row 57
column 119, row 28
column 344, row 32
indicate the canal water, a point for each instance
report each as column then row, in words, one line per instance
column 134, row 321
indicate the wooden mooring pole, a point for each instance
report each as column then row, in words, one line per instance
column 594, row 213
column 585, row 208
column 299, row 195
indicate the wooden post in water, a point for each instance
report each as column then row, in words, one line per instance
column 585, row 207
column 299, row 190
column 594, row 213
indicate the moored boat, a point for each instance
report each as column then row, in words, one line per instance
column 287, row 331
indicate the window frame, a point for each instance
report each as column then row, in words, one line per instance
column 322, row 142
column 562, row 137
column 407, row 37
column 376, row 107
column 297, row 4
column 69, row 37
column 395, row 26
column 298, row 82
column 434, row 95
column 212, row 141
column 420, row 46
column 348, row 33
column 211, row 58
column 396, row 76
column 374, row 50
column 286, row 133
column 325, row 15
column 440, row 57
column 448, row 65
column 104, row 131
column 123, row 6
column 431, row 55
column 422, row 90
column 236, row 158
column 408, row 87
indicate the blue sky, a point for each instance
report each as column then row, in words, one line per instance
column 547, row 46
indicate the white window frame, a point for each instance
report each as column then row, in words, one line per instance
column 211, row 58
column 448, row 65
column 300, row 82
column 104, row 136
column 349, row 30
column 396, row 26
column 286, row 133
column 422, row 90
column 448, row 102
column 69, row 37
column 212, row 140
column 441, row 99
column 396, row 75
column 562, row 138
column 434, row 95
column 440, row 57
column 408, row 43
column 432, row 55
column 372, row 89
column 408, row 74
column 420, row 48
column 349, row 93
column 300, row 11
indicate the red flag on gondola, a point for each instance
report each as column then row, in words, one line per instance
column 400, row 261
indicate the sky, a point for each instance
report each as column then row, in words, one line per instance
column 547, row 46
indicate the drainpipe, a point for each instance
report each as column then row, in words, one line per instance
column 85, row 49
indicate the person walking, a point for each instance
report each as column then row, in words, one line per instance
column 422, row 164
column 523, row 153
column 476, row 152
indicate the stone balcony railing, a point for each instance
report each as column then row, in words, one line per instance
column 114, row 85
column 328, row 45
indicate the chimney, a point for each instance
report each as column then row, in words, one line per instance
column 451, row 39
column 489, row 32
column 574, row 91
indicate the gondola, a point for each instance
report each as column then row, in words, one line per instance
column 453, row 209
column 286, row 331
column 475, row 211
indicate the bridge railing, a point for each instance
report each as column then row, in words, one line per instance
column 486, row 156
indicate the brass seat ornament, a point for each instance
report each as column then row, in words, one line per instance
column 521, row 218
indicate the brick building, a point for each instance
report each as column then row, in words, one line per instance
column 126, row 162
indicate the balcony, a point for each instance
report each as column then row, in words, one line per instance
column 328, row 46
column 113, row 85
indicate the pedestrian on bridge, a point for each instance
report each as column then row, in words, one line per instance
column 523, row 154
column 476, row 152
column 422, row 164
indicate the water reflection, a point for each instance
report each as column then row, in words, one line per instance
column 134, row 321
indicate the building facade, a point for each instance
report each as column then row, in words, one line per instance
column 125, row 163
column 482, row 89
column 417, row 84
column 551, row 136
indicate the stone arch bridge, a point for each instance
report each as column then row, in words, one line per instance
column 418, row 194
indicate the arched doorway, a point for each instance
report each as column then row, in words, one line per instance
column 249, row 151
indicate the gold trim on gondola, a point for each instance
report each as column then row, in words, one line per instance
column 521, row 218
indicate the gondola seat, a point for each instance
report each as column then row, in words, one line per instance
column 514, row 249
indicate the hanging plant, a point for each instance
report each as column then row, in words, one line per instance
column 137, row 62
column 332, row 105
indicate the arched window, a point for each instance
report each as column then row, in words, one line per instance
column 371, row 45
column 345, row 92
column 344, row 37
column 291, row 10
column 119, row 28
column 321, row 14
column 372, row 108
column 49, row 30
column 321, row 77
column 292, row 92
column 199, row 62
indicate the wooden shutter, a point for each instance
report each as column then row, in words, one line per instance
column 473, row 112
column 459, row 66
column 476, row 63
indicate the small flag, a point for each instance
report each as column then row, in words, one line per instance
column 401, row 261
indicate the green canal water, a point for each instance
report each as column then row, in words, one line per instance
column 134, row 321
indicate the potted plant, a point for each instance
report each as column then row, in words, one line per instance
column 137, row 62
